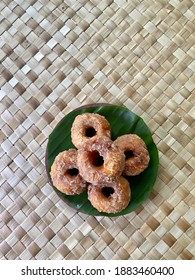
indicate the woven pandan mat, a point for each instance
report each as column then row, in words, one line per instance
column 58, row 55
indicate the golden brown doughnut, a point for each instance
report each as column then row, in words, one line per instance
column 136, row 154
column 100, row 160
column 65, row 174
column 88, row 125
column 110, row 198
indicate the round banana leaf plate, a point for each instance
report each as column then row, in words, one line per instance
column 122, row 121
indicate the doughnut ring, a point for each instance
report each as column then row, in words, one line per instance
column 65, row 174
column 110, row 198
column 89, row 125
column 100, row 160
column 136, row 154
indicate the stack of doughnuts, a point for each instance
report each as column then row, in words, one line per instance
column 99, row 164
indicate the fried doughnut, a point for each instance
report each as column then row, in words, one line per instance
column 88, row 125
column 65, row 174
column 100, row 160
column 136, row 154
column 110, row 198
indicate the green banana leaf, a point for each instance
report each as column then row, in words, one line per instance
column 122, row 121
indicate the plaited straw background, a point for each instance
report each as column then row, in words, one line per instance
column 57, row 55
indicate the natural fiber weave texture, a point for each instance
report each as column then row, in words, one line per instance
column 57, row 55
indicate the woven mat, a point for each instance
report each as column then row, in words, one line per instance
column 57, row 55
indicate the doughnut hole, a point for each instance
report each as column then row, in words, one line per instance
column 128, row 154
column 107, row 191
column 96, row 159
column 72, row 172
column 90, row 132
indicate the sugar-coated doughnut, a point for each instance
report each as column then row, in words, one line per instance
column 110, row 198
column 88, row 125
column 100, row 160
column 136, row 154
column 65, row 174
